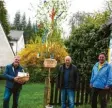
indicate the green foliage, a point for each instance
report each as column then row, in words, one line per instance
column 86, row 42
column 3, row 18
column 28, row 32
column 23, row 22
column 108, row 6
column 97, row 18
column 37, row 74
column 20, row 23
column 49, row 15
column 55, row 35
column 17, row 21
column 77, row 19
column 35, row 53
column 44, row 10
column 46, row 40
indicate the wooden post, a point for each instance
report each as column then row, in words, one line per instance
column 45, row 92
column 48, row 63
column 49, row 88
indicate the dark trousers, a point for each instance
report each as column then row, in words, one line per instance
column 7, row 94
column 102, row 97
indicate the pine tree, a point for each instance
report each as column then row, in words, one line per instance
column 29, row 26
column 3, row 18
column 28, row 32
column 17, row 21
column 23, row 22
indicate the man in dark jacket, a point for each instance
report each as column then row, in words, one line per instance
column 67, row 82
column 13, row 85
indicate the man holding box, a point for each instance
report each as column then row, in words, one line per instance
column 13, row 85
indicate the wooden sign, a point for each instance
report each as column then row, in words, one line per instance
column 50, row 63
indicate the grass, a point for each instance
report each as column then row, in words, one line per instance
column 32, row 96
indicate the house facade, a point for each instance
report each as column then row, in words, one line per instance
column 16, row 41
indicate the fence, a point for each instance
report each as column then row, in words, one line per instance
column 82, row 95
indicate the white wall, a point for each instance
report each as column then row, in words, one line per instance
column 21, row 44
column 6, row 54
column 18, row 45
column 14, row 46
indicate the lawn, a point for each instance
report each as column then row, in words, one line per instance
column 32, row 96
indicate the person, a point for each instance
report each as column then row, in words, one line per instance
column 13, row 85
column 100, row 80
column 67, row 81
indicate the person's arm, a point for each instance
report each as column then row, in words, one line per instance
column 109, row 77
column 58, row 78
column 7, row 75
column 91, row 80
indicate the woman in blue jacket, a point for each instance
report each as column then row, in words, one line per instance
column 101, row 78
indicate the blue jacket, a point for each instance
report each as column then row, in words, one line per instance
column 101, row 77
column 9, row 74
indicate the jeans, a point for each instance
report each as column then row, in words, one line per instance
column 7, row 94
column 70, row 94
column 102, row 97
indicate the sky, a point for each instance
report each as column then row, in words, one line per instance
column 25, row 6
column 76, row 5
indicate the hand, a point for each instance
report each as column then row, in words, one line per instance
column 21, row 82
column 28, row 75
column 16, row 79
column 91, row 85
column 106, row 88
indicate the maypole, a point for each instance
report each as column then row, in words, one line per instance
column 52, row 15
column 50, row 62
